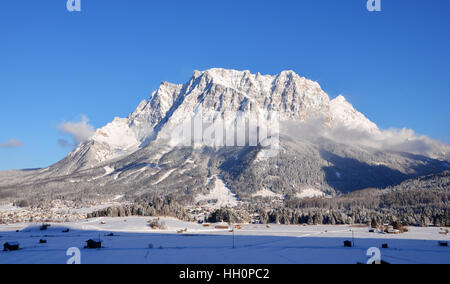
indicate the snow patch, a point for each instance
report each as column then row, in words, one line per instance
column 108, row 170
column 221, row 194
column 164, row 176
column 310, row 193
column 117, row 197
column 379, row 164
column 267, row 193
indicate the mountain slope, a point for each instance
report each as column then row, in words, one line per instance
column 136, row 155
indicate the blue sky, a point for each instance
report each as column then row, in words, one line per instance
column 55, row 66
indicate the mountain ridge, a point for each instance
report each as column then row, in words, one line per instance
column 323, row 147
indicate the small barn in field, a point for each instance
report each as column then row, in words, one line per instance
column 44, row 227
column 93, row 244
column 348, row 244
column 222, row 226
column 11, row 246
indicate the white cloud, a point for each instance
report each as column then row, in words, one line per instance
column 79, row 131
column 12, row 143
column 398, row 140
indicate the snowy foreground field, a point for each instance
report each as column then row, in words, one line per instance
column 254, row 244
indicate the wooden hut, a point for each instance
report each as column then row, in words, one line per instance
column 93, row 244
column 44, row 227
column 11, row 246
column 222, row 226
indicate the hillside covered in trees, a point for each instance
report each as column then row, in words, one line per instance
column 417, row 202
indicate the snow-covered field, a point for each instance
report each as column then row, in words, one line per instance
column 255, row 244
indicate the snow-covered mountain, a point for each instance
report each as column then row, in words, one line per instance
column 133, row 156
column 223, row 91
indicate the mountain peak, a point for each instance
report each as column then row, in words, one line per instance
column 221, row 74
column 341, row 99
column 345, row 114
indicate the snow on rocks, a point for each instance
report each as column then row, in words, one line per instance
column 164, row 176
